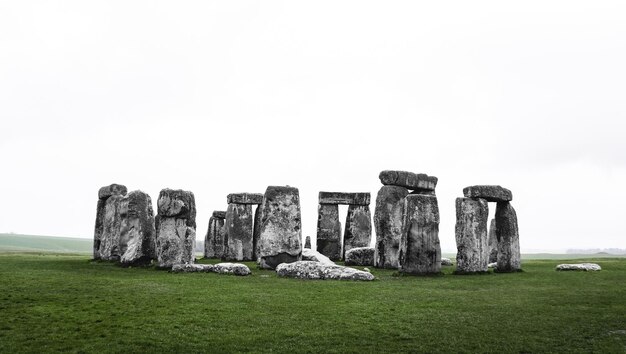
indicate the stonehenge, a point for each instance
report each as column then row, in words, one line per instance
column 280, row 232
column 175, row 225
column 137, row 232
column 420, row 251
column 477, row 248
column 406, row 222
column 214, row 239
column 358, row 228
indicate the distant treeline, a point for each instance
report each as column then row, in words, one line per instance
column 619, row 251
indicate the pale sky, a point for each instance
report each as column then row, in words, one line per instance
column 233, row 96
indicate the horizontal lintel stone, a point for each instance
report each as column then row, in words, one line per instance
column 344, row 198
column 245, row 198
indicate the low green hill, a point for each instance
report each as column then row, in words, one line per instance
column 46, row 244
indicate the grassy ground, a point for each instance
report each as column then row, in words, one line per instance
column 70, row 304
column 32, row 243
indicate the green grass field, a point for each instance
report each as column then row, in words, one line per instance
column 66, row 303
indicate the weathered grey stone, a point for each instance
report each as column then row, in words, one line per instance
column 508, row 238
column 358, row 228
column 113, row 189
column 311, row 255
column 192, row 268
column 360, row 256
column 213, row 241
column 176, row 227
column 307, row 242
column 329, row 231
column 177, row 203
column 471, row 235
column 137, row 232
column 490, row 193
column 580, row 266
column 420, row 251
column 281, row 227
column 238, row 242
column 446, row 262
column 245, row 198
column 388, row 218
column 219, row 214
column 410, row 180
column 493, row 242
column 258, row 213
column 112, row 221
column 321, row 271
column 220, row 268
column 103, row 194
column 232, row 268
column 492, row 265
column 344, row 198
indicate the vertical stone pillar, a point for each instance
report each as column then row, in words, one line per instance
column 388, row 217
column 103, row 195
column 493, row 242
column 420, row 251
column 281, row 227
column 137, row 233
column 258, row 213
column 110, row 240
column 213, row 241
column 507, row 234
column 307, row 242
column 329, row 231
column 239, row 228
column 358, row 228
column 471, row 235
column 176, row 227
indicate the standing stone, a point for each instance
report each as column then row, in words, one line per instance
column 388, row 218
column 176, row 227
column 238, row 244
column 213, row 241
column 103, row 194
column 493, row 242
column 281, row 227
column 137, row 234
column 110, row 239
column 420, row 251
column 358, row 228
column 329, row 231
column 258, row 213
column 307, row 242
column 471, row 235
column 507, row 234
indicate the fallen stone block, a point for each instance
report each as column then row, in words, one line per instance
column 446, row 262
column 231, row 268
column 320, row 271
column 312, row 255
column 192, row 268
column 360, row 256
column 593, row 267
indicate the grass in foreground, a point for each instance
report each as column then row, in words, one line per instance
column 70, row 304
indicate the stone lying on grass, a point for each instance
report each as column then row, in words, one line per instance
column 192, row 268
column 580, row 266
column 312, row 255
column 446, row 262
column 220, row 268
column 231, row 268
column 360, row 256
column 492, row 265
column 317, row 270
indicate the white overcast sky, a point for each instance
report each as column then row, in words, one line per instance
column 233, row 96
